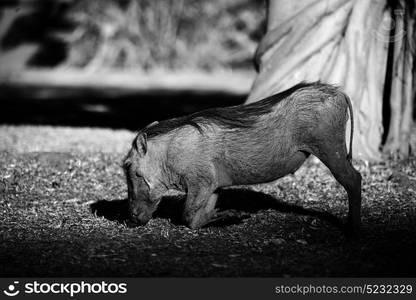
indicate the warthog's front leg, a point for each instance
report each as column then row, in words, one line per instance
column 199, row 208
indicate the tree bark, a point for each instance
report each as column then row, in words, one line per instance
column 345, row 43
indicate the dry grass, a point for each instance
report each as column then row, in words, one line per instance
column 47, row 226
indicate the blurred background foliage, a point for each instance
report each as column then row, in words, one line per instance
column 135, row 34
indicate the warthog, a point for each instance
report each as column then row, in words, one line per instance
column 239, row 145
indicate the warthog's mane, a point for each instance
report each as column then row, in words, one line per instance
column 231, row 117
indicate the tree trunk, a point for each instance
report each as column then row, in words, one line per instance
column 346, row 43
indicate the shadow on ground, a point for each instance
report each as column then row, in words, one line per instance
column 240, row 203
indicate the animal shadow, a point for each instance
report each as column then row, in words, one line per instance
column 114, row 210
column 236, row 204
column 248, row 202
column 117, row 210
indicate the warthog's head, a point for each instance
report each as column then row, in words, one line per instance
column 142, row 169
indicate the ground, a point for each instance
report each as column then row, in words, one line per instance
column 62, row 207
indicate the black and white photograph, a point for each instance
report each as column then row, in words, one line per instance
column 207, row 139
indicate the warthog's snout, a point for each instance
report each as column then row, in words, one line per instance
column 140, row 213
column 140, row 218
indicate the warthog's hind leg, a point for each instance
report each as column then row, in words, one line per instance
column 335, row 158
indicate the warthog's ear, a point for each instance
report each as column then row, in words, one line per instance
column 140, row 143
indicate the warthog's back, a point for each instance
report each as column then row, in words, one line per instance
column 304, row 99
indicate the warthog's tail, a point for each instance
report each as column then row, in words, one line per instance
column 349, row 155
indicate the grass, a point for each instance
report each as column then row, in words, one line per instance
column 62, row 197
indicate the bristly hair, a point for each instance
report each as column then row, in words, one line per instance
column 126, row 162
column 232, row 117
